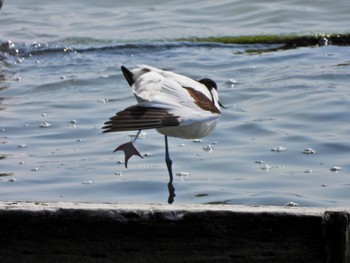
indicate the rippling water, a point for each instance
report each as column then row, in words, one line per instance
column 60, row 80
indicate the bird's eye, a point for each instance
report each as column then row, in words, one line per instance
column 209, row 83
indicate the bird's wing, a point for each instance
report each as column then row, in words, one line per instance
column 161, row 88
column 140, row 118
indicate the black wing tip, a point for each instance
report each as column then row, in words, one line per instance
column 128, row 75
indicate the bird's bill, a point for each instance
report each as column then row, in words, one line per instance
column 222, row 106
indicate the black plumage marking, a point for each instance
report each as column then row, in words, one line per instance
column 128, row 75
column 140, row 118
column 209, row 83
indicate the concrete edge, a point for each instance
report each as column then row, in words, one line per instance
column 54, row 206
column 324, row 232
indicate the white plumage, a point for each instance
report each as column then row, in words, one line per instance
column 157, row 89
column 171, row 103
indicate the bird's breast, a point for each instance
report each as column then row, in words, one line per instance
column 192, row 131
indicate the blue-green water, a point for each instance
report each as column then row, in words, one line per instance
column 60, row 80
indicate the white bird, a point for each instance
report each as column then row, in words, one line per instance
column 172, row 104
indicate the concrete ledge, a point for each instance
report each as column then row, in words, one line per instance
column 91, row 232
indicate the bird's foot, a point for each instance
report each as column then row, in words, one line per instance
column 172, row 194
column 129, row 150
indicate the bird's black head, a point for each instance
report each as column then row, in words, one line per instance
column 209, row 83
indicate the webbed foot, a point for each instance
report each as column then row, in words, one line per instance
column 129, row 150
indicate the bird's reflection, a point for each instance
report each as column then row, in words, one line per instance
column 171, row 190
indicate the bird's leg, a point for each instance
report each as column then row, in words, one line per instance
column 129, row 149
column 169, row 162
column 136, row 136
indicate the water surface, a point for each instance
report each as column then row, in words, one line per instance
column 60, row 81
